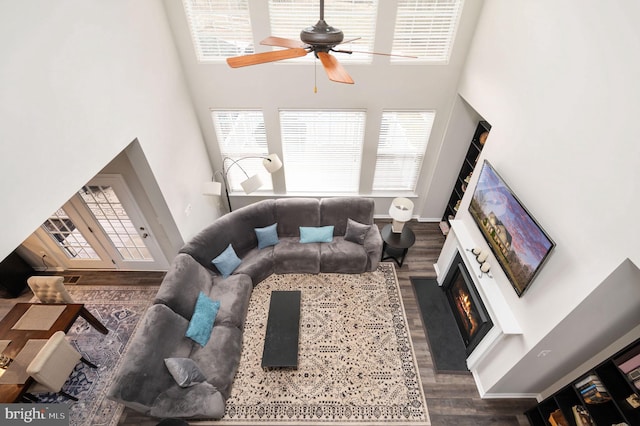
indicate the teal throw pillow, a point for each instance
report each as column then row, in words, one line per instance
column 267, row 236
column 204, row 315
column 316, row 234
column 227, row 261
column 184, row 371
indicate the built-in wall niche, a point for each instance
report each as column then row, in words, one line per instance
column 476, row 145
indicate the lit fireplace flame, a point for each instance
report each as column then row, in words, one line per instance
column 465, row 306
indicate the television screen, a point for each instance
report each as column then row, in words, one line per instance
column 518, row 242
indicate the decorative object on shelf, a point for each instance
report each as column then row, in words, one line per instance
column 592, row 390
column 466, row 170
column 485, row 267
column 582, row 416
column 481, row 258
column 483, row 138
column 557, row 418
column 271, row 163
column 519, row 243
column 400, row 211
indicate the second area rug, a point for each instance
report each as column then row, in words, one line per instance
column 357, row 365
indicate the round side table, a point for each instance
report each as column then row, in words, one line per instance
column 396, row 245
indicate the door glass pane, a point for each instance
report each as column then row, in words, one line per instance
column 114, row 220
column 68, row 237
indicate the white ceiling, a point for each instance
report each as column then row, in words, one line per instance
column 379, row 85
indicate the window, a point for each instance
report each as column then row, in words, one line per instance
column 242, row 134
column 403, row 141
column 68, row 237
column 219, row 28
column 426, row 28
column 355, row 18
column 322, row 150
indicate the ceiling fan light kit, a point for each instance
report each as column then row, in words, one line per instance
column 319, row 39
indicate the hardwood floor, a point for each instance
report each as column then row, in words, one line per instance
column 452, row 399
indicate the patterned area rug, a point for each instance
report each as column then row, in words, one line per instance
column 119, row 309
column 356, row 360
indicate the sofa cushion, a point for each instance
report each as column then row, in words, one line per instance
column 342, row 256
column 316, row 234
column 227, row 261
column 233, row 293
column 289, row 256
column 200, row 401
column 267, row 236
column 335, row 211
column 258, row 264
column 180, row 287
column 184, row 371
column 356, row 231
column 142, row 374
column 220, row 358
column 202, row 320
column 292, row 213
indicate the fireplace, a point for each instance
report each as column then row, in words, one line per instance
column 471, row 316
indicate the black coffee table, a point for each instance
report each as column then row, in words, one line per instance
column 283, row 329
column 396, row 245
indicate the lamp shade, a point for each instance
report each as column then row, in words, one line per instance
column 252, row 184
column 272, row 163
column 212, row 188
column 401, row 210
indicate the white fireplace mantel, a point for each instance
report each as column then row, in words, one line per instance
column 505, row 323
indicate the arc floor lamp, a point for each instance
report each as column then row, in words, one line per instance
column 271, row 163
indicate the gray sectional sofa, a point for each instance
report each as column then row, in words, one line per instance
column 144, row 383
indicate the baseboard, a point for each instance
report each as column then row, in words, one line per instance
column 493, row 395
column 48, row 269
column 429, row 219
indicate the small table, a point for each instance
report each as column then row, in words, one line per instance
column 396, row 244
column 19, row 338
column 283, row 329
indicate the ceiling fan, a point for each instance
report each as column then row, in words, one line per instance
column 319, row 39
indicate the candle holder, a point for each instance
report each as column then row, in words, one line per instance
column 485, row 267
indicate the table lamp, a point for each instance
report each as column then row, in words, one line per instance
column 400, row 211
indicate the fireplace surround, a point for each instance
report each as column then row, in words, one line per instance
column 458, row 244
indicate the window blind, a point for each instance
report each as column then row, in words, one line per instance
column 322, row 150
column 403, row 141
column 219, row 28
column 242, row 134
column 355, row 18
column 426, row 29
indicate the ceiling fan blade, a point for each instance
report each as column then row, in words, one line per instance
column 282, row 42
column 373, row 53
column 261, row 58
column 334, row 70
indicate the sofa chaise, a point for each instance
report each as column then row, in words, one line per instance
column 143, row 381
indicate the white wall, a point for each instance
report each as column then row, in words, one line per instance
column 79, row 81
column 558, row 81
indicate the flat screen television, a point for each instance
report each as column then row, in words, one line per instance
column 516, row 239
